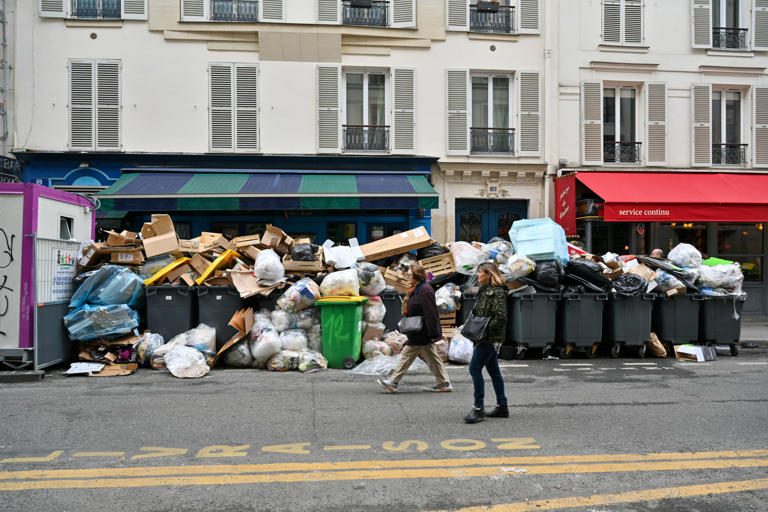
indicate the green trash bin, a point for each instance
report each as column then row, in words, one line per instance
column 341, row 319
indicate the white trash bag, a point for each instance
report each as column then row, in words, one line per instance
column 293, row 339
column 268, row 267
column 341, row 284
column 685, row 255
column 383, row 365
column 460, row 350
column 466, row 257
column 374, row 310
column 301, row 295
column 265, row 346
column 186, row 362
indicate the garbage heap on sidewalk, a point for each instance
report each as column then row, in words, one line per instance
column 282, row 284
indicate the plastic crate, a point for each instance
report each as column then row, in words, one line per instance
column 170, row 310
column 215, row 307
column 394, row 303
column 580, row 320
column 676, row 318
column 628, row 319
column 720, row 319
column 532, row 319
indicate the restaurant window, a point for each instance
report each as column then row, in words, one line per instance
column 611, row 237
column 340, row 232
column 671, row 234
column 743, row 243
column 379, row 231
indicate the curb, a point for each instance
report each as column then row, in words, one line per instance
column 11, row 377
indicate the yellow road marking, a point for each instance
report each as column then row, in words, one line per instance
column 462, row 445
column 290, row 448
column 98, row 454
column 157, row 451
column 221, row 450
column 347, row 447
column 686, row 491
column 391, row 446
column 375, row 464
column 48, row 458
column 383, row 474
column 516, row 443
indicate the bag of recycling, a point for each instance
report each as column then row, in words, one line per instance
column 728, row 277
column 517, row 266
column 239, row 356
column 93, row 322
column 685, row 255
column 447, row 298
column 283, row 320
column 148, row 343
column 371, row 281
column 315, row 338
column 466, row 258
column 383, row 365
column 395, row 340
column 344, row 283
column 374, row 348
column 262, row 321
column 499, row 251
column 284, row 361
column 293, row 339
column 460, row 349
column 666, row 282
column 201, row 338
column 311, row 361
column 301, row 295
column 110, row 285
column 264, row 347
column 374, row 310
column 373, row 331
column 268, row 267
column 305, row 319
column 186, row 362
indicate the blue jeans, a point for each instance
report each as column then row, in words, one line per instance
column 485, row 355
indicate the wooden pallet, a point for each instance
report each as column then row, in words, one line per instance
column 448, row 319
column 397, row 280
column 449, row 333
column 439, row 265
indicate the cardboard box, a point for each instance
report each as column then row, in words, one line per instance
column 273, row 237
column 397, row 244
column 192, row 245
column 210, row 241
column 179, row 271
column 695, row 353
column 643, row 271
column 159, row 236
column 93, row 254
column 121, row 239
column 200, row 264
column 304, row 266
column 127, row 257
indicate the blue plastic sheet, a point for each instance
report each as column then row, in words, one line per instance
column 93, row 322
column 109, row 285
column 539, row 239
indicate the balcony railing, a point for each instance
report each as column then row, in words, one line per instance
column 496, row 19
column 729, row 38
column 366, row 137
column 621, row 152
column 729, row 154
column 492, row 140
column 99, row 9
column 372, row 13
column 235, row 10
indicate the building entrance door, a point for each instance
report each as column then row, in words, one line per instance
column 482, row 219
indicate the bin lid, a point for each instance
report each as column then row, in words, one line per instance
column 341, row 300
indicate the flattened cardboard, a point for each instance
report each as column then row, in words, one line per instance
column 304, row 266
column 189, row 279
column 159, row 236
column 200, row 264
column 643, row 271
column 248, row 285
column 116, row 370
column 127, row 257
column 179, row 271
column 242, row 322
column 121, row 239
column 209, row 241
column 397, row 244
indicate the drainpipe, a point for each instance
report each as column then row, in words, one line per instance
column 550, row 96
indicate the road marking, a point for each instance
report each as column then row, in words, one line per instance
column 347, row 447
column 405, row 446
column 223, row 475
column 607, row 368
column 159, row 452
column 639, row 364
column 576, row 364
column 584, row 369
column 516, row 443
column 221, row 450
column 462, row 445
column 686, row 491
column 513, row 365
column 47, row 458
column 98, row 454
column 629, row 369
column 561, row 369
column 649, row 368
column 750, row 364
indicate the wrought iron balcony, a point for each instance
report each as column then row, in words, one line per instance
column 99, row 9
column 492, row 140
column 622, row 152
column 371, row 13
column 729, row 38
column 363, row 137
column 729, row 154
column 491, row 18
column 235, row 10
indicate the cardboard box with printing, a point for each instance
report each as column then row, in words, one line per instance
column 159, row 236
column 121, row 239
column 127, row 257
column 397, row 244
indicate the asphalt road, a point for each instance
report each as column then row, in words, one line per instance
column 598, row 435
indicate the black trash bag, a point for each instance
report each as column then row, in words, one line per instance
column 572, row 280
column 590, row 272
column 547, row 277
column 303, row 252
column 629, row 285
column 430, row 251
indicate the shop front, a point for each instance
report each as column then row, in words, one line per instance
column 721, row 214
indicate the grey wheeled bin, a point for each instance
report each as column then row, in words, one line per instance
column 393, row 302
column 627, row 322
column 215, row 307
column 468, row 299
column 580, row 323
column 720, row 320
column 531, row 322
column 170, row 310
column 676, row 319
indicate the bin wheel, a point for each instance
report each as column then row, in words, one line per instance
column 615, row 350
column 641, row 351
column 348, row 363
column 734, row 350
column 592, row 351
column 520, row 351
column 566, row 352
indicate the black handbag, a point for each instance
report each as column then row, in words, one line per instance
column 410, row 324
column 476, row 327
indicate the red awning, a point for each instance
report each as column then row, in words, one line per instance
column 678, row 196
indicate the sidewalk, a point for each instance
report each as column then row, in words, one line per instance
column 754, row 329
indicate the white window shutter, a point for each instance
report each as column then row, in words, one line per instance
column 656, row 124
column 328, row 11
column 53, row 8
column 612, row 21
column 701, row 23
column 134, row 9
column 246, row 107
column 529, row 16
column 760, row 25
column 760, row 127
column 404, row 94
column 633, row 21
column 81, row 96
column 194, row 10
column 403, row 13
column 107, row 105
column 530, row 113
column 701, row 124
column 220, row 107
column 457, row 15
column 328, row 94
column 458, row 113
column 592, row 123
column 271, row 10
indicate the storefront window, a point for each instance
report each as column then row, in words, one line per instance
column 609, row 237
column 743, row 243
column 340, row 232
column 671, row 234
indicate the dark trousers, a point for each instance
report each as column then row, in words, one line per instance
column 485, row 355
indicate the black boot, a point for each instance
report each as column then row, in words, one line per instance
column 500, row 411
column 475, row 416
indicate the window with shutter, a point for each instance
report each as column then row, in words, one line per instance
column 53, row 8
column 403, row 13
column 458, row 129
column 81, row 97
column 592, row 123
column 107, row 105
column 328, row 11
column 529, row 16
column 328, row 80
column 220, row 111
column 623, row 21
column 701, row 121
column 701, row 23
column 492, row 117
column 760, row 25
column 246, row 108
column 530, row 114
column 458, row 14
column 612, row 21
column 656, row 123
column 633, row 21
column 194, row 10
column 404, row 111
column 760, row 126
column 94, row 105
column 134, row 9
column 271, row 10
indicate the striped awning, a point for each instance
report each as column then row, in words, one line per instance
column 263, row 190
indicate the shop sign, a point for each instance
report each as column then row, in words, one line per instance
column 565, row 203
